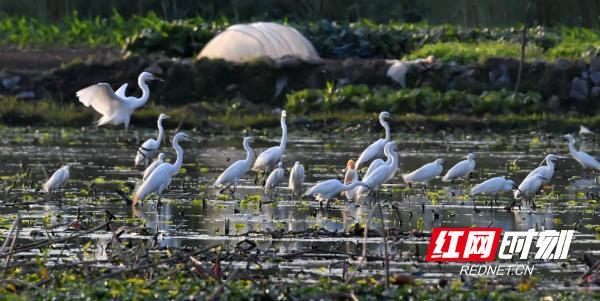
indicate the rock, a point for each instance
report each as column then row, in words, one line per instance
column 11, row 82
column 595, row 76
column 25, row 95
column 563, row 64
column 553, row 103
column 595, row 64
column 579, row 89
column 596, row 91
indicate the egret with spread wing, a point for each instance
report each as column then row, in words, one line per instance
column 115, row 107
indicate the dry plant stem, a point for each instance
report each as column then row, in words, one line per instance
column 364, row 250
column 523, row 44
column 14, row 241
column 50, row 241
column 10, row 233
column 386, row 262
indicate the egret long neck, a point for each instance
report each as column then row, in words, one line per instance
column 177, row 165
column 138, row 102
column 283, row 135
column 572, row 149
column 353, row 185
column 550, row 164
column 393, row 159
column 386, row 126
column 249, row 153
column 160, row 131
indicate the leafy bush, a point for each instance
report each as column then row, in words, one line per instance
column 423, row 101
column 364, row 39
column 475, row 52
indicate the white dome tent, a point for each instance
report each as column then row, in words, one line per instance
column 245, row 42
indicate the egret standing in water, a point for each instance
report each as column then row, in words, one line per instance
column 296, row 179
column 375, row 150
column 425, row 173
column 115, row 107
column 528, row 188
column 586, row 161
column 546, row 171
column 274, row 180
column 162, row 176
column 326, row 190
column 156, row 163
column 493, row 186
column 351, row 176
column 57, row 181
column 268, row 159
column 461, row 169
column 383, row 173
column 149, row 148
column 231, row 176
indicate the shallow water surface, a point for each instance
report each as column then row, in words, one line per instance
column 192, row 215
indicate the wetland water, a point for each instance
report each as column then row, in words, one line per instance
column 101, row 165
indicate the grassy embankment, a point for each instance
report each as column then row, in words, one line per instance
column 151, row 35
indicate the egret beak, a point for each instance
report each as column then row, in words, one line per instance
column 158, row 78
column 167, row 116
column 192, row 139
column 517, row 188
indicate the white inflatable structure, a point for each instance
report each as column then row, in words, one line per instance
column 245, row 42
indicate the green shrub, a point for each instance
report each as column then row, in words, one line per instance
column 422, row 101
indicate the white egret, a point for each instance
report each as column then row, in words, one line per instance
column 425, row 172
column 546, row 171
column 586, row 161
column 149, row 148
column 326, row 190
column 493, row 186
column 375, row 150
column 162, row 176
column 461, row 169
column 384, row 173
column 268, row 159
column 115, row 107
column 373, row 166
column 156, row 163
column 233, row 173
column 528, row 188
column 274, row 180
column 296, row 179
column 58, row 180
column 350, row 176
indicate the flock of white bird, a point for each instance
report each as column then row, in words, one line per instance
column 116, row 108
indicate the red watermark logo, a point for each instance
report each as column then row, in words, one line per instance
column 463, row 244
